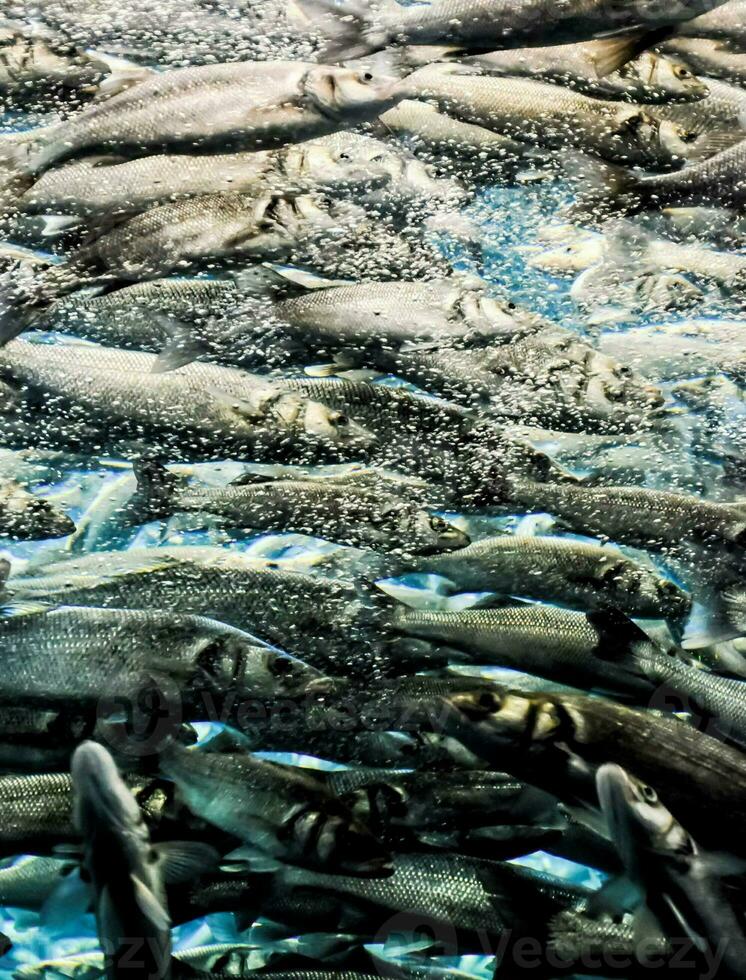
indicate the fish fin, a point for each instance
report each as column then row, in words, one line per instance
column 185, row 860
column 28, row 607
column 606, row 188
column 181, row 348
column 617, row 633
column 616, row 895
column 155, row 488
column 153, row 910
column 236, row 404
column 57, row 224
column 646, row 927
column 698, row 940
column 713, row 142
column 303, row 278
column 250, row 479
column 322, row 370
column 348, row 28
column 613, row 52
column 119, row 81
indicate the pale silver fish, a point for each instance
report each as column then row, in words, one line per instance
column 24, row 516
column 256, row 105
column 549, row 115
column 352, row 30
column 650, row 78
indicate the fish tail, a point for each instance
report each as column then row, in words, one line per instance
column 23, row 299
column 350, row 29
column 22, row 156
column 605, row 189
column 155, row 490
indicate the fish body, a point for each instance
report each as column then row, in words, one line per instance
column 637, row 515
column 650, row 78
column 79, row 655
column 549, row 115
column 558, row 644
column 126, row 880
column 281, row 810
column 218, row 406
column 28, row 882
column 664, row 860
column 561, row 570
column 692, row 771
column 255, row 104
column 343, row 512
column 485, row 25
column 294, row 609
column 716, row 59
column 375, row 316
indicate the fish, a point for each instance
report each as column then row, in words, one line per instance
column 372, row 316
column 710, row 125
column 214, row 405
column 443, row 139
column 615, row 190
column 109, row 187
column 680, row 349
column 38, row 69
column 346, row 512
column 575, row 573
column 650, row 78
column 66, row 656
column 280, row 810
column 329, row 619
column 716, row 59
column 636, row 515
column 678, row 881
column 352, row 31
column 550, row 376
column 558, row 644
column 579, row 939
column 550, row 116
column 724, row 23
column 125, row 871
column 27, row 517
column 28, row 882
column 256, row 105
column 565, row 738
column 461, row 902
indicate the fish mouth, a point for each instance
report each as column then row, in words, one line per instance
column 616, row 794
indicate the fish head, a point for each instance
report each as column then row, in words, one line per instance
column 344, row 93
column 670, row 78
column 340, row 165
column 31, row 517
column 102, row 802
column 623, row 581
column 492, row 719
column 638, row 132
column 678, row 142
column 380, row 804
column 280, row 220
column 637, row 819
column 665, row 291
column 420, row 532
column 287, row 676
column 334, row 427
column 332, row 840
column 575, row 256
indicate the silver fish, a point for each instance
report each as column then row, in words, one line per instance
column 280, row 810
column 346, row 512
column 27, row 517
column 549, row 115
column 258, row 105
column 571, row 572
column 213, row 403
column 351, row 30
column 650, row 78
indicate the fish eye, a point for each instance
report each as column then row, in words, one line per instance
column 340, row 419
column 687, row 135
column 367, row 77
column 682, row 72
column 438, row 524
column 281, row 666
column 511, row 305
column 649, row 794
column 488, row 701
column 344, row 156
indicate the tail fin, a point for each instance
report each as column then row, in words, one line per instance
column 349, row 29
column 155, row 490
column 604, row 189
